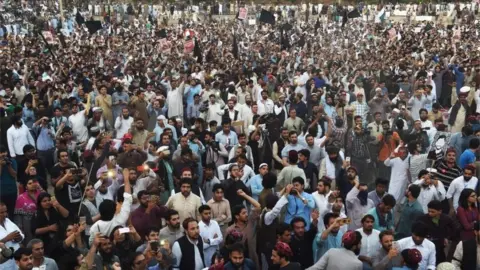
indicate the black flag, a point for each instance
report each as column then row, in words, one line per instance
column 235, row 47
column 79, row 18
column 197, row 52
column 353, row 14
column 345, row 18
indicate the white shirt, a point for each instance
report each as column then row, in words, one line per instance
column 4, row 231
column 265, row 106
column 109, row 195
column 208, row 232
column 398, row 178
column 120, row 219
column 430, row 193
column 122, row 125
column 78, row 124
column 177, row 252
column 427, row 249
column 17, row 138
column 458, row 184
column 247, row 172
column 370, row 243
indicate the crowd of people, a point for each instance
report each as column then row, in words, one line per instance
column 328, row 143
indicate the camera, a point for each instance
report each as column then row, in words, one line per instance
column 214, row 146
column 204, row 106
column 8, row 161
column 293, row 192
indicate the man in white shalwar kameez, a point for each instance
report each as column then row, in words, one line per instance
column 174, row 96
column 399, row 179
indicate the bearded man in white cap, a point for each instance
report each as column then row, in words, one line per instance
column 459, row 111
column 99, row 121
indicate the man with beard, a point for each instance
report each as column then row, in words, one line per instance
column 185, row 202
column 230, row 113
column 293, row 123
column 242, row 142
column 467, row 252
column 346, row 181
column 280, row 109
column 123, row 123
column 383, row 213
column 467, row 180
column 98, row 120
column 332, row 166
column 265, row 105
column 358, row 204
column 173, row 230
column 400, row 174
column 139, row 183
column 331, row 237
column 357, row 148
column 189, row 247
column 238, row 260
column 24, row 259
column 132, row 156
column 411, row 210
column 459, row 111
column 301, row 242
column 344, row 257
column 140, row 134
column 18, row 136
column 431, row 188
column 370, row 243
column 388, row 255
column 120, row 100
column 277, row 149
column 78, row 121
column 281, row 256
column 100, row 256
column 418, row 240
column 139, row 105
column 148, row 213
column 161, row 126
column 379, row 103
column 441, row 228
column 292, row 145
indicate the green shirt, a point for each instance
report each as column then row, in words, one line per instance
column 410, row 212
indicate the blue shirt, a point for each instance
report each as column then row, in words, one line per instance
column 227, row 140
column 376, row 224
column 8, row 184
column 297, row 147
column 255, row 184
column 192, row 91
column 28, row 117
column 159, row 130
column 296, row 208
column 332, row 241
column 466, row 158
column 44, row 140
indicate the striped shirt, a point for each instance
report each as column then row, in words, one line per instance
column 446, row 174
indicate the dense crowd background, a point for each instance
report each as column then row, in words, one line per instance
column 329, row 139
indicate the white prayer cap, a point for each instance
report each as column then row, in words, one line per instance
column 97, row 109
column 161, row 117
column 431, row 170
column 164, row 149
column 446, row 266
column 396, row 110
column 465, row 89
column 261, row 165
